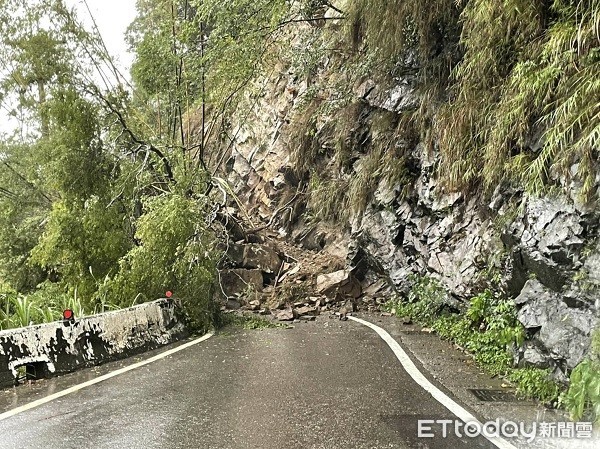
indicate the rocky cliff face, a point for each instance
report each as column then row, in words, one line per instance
column 542, row 251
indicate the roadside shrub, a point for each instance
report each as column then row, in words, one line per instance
column 582, row 399
column 175, row 252
column 535, row 383
column 487, row 330
column 43, row 305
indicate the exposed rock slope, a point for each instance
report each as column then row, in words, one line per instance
column 543, row 251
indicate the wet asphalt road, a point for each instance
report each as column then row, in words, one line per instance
column 319, row 385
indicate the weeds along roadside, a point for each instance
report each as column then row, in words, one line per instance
column 488, row 330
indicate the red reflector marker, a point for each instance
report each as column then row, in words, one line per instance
column 68, row 317
column 169, row 294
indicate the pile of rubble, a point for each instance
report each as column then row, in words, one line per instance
column 284, row 281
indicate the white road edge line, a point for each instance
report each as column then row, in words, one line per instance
column 102, row 378
column 437, row 394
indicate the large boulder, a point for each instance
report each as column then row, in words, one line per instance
column 240, row 281
column 338, row 285
column 545, row 239
column 261, row 257
column 564, row 332
column 254, row 256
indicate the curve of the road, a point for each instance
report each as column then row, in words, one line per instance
column 325, row 384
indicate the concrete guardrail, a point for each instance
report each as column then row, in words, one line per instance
column 60, row 347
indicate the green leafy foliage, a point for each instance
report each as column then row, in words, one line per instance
column 21, row 213
column 175, row 252
column 82, row 242
column 582, row 399
column 389, row 27
column 488, row 329
column 521, row 106
column 75, row 163
column 195, row 63
column 506, row 87
column 102, row 197
column 535, row 383
column 44, row 305
column 241, row 32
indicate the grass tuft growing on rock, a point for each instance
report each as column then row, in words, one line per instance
column 507, row 88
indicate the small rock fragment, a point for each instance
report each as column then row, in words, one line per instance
column 306, row 310
column 285, row 315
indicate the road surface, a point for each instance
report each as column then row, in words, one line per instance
column 326, row 384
